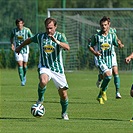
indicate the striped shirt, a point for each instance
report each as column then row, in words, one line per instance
column 19, row 36
column 50, row 52
column 104, row 44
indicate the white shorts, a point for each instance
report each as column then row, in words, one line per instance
column 103, row 69
column 58, row 78
column 21, row 57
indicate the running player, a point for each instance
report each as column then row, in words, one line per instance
column 101, row 46
column 51, row 43
column 114, row 66
column 18, row 35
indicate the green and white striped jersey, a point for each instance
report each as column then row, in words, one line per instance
column 50, row 52
column 104, row 44
column 19, row 36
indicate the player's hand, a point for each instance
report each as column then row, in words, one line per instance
column 97, row 53
column 54, row 40
column 127, row 60
column 52, row 37
column 121, row 45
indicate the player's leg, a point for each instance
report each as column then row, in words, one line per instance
column 25, row 60
column 104, row 85
column 99, row 80
column 44, row 78
column 116, row 81
column 64, row 102
column 19, row 59
column 100, row 76
column 62, row 86
column 107, row 73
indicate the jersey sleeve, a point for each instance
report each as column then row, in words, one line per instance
column 63, row 38
column 115, row 42
column 12, row 34
column 92, row 41
column 29, row 33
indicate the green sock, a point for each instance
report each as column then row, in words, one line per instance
column 117, row 82
column 25, row 70
column 41, row 92
column 21, row 73
column 105, row 83
column 64, row 105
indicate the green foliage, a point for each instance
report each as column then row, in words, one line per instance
column 32, row 61
column 85, row 113
column 3, row 62
column 11, row 60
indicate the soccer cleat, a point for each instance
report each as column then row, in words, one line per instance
column 98, row 84
column 118, row 95
column 100, row 100
column 131, row 119
column 65, row 116
column 22, row 83
column 104, row 96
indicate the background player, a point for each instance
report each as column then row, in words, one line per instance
column 101, row 46
column 114, row 66
column 18, row 35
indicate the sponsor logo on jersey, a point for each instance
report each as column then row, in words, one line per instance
column 20, row 37
column 48, row 48
column 105, row 46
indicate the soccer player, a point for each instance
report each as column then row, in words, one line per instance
column 127, row 60
column 18, row 35
column 51, row 43
column 101, row 46
column 114, row 66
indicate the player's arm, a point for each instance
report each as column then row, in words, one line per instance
column 91, row 44
column 12, row 45
column 26, row 42
column 120, row 44
column 128, row 58
column 62, row 44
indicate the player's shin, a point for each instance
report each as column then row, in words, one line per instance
column 105, row 82
column 64, row 105
column 41, row 92
column 117, row 82
column 21, row 73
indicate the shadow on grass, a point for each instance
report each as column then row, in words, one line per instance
column 99, row 119
column 20, row 119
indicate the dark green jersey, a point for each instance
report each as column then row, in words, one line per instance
column 50, row 52
column 104, row 44
column 19, row 36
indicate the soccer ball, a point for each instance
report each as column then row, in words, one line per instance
column 37, row 110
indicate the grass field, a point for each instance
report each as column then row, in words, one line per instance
column 85, row 113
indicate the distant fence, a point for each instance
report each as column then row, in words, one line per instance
column 77, row 23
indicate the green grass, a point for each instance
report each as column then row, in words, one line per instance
column 85, row 113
